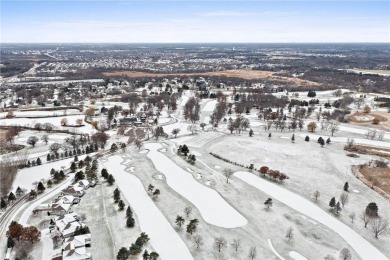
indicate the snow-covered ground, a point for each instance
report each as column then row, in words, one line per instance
column 365, row 249
column 56, row 121
column 27, row 176
column 209, row 107
column 213, row 208
column 163, row 237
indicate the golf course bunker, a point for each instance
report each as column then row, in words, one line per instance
column 213, row 208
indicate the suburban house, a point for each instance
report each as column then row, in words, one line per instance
column 76, row 191
column 68, row 199
column 83, row 183
column 68, row 229
column 76, row 254
column 78, row 241
column 59, row 209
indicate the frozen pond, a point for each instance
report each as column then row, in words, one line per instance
column 213, row 208
column 163, row 236
column 362, row 247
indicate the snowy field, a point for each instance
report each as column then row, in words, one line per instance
column 213, row 208
column 61, row 113
column 163, row 237
column 56, row 121
column 27, row 176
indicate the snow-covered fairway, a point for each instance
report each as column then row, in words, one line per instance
column 213, row 208
column 298, row 203
column 163, row 237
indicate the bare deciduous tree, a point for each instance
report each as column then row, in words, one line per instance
column 378, row 226
column 352, row 216
column 45, row 139
column 365, row 218
column 333, row 127
column 344, row 198
column 138, row 143
column 54, row 147
column 316, row 195
column 345, row 254
column 228, row 174
column 187, row 211
column 198, row 241
column 252, row 253
column 290, row 234
column 236, row 244
column 220, row 243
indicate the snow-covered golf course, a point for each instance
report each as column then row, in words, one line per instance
column 213, row 208
column 357, row 242
column 163, row 237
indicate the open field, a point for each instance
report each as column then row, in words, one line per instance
column 378, row 72
column 244, row 74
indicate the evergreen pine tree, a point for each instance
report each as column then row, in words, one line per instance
column 332, row 202
column 346, row 186
column 338, row 207
column 130, row 222
column 10, row 242
column 110, row 179
column 307, row 139
column 39, row 161
column 129, row 212
column 11, row 197
column 145, row 255
column 121, row 205
column 117, row 195
column 3, row 203
column 48, row 158
column 41, row 187
column 73, row 167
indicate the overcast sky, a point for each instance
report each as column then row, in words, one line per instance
column 195, row 21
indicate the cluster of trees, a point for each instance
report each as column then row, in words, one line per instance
column 117, row 199
column 5, row 200
column 192, row 109
column 69, row 152
column 154, row 192
column 321, row 141
column 239, row 124
column 32, row 163
column 19, row 233
column 136, row 248
column 56, row 175
column 273, row 174
column 229, row 161
column 108, row 177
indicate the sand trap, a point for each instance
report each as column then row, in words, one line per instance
column 144, row 151
column 159, row 176
column 190, row 170
column 163, row 150
column 356, row 191
column 217, row 167
column 131, row 169
column 297, row 256
column 208, row 183
column 199, row 176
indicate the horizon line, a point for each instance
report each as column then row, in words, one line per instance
column 194, row 42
